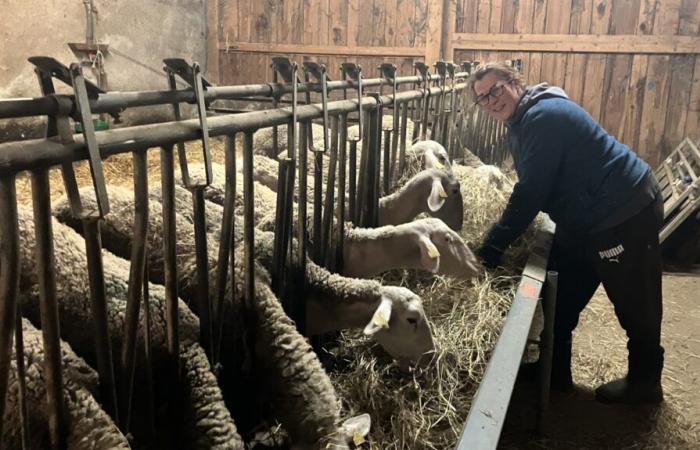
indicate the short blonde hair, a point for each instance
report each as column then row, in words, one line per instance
column 502, row 70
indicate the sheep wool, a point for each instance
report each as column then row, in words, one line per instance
column 88, row 426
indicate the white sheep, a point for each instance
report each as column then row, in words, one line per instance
column 88, row 425
column 73, row 294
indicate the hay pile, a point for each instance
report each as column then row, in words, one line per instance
column 426, row 409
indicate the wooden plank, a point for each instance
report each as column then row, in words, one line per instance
column 496, row 15
column 593, row 88
column 434, row 36
column 229, row 21
column 338, row 22
column 213, row 37
column 689, row 18
column 681, row 77
column 466, row 17
column 483, row 15
column 580, row 23
column 654, row 109
column 629, row 132
column 353, row 27
column 508, row 15
column 557, row 22
column 539, row 17
column 247, row 47
column 448, row 30
column 582, row 43
column 523, row 17
column 244, row 14
column 260, row 23
column 420, row 23
column 692, row 126
column 379, row 22
column 391, row 12
column 405, row 9
column 365, row 19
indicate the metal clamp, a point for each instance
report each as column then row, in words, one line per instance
column 282, row 66
column 354, row 72
column 191, row 75
column 318, row 71
column 47, row 69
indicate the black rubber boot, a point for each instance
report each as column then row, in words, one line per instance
column 561, row 380
column 642, row 385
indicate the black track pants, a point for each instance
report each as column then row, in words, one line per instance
column 627, row 260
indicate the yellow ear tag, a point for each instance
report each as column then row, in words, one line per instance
column 433, row 252
column 439, row 165
column 357, row 438
column 379, row 320
column 442, row 192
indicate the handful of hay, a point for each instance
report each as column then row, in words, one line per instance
column 426, row 409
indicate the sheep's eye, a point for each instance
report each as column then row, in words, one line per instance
column 412, row 320
column 448, row 238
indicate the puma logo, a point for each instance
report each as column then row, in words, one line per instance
column 612, row 254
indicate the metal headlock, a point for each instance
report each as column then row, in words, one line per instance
column 422, row 122
column 388, row 71
column 354, row 72
column 439, row 103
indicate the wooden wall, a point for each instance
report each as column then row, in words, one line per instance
column 633, row 64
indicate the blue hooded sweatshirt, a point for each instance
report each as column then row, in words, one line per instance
column 569, row 167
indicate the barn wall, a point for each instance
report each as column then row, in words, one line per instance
column 139, row 34
column 650, row 101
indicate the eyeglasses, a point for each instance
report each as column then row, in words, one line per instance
column 495, row 92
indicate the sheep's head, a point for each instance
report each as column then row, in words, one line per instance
column 442, row 250
column 400, row 326
column 445, row 198
column 434, row 155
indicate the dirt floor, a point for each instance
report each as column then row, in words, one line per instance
column 577, row 421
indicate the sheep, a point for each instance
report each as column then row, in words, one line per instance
column 87, row 425
column 428, row 155
column 282, row 351
column 213, row 430
column 432, row 191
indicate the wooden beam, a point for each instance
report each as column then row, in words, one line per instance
column 434, row 37
column 212, row 69
column 249, row 47
column 448, row 29
column 579, row 43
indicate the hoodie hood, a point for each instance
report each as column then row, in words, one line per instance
column 533, row 94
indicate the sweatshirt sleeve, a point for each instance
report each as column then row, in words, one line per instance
column 540, row 155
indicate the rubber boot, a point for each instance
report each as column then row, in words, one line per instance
column 642, row 385
column 561, row 380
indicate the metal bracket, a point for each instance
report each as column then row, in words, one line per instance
column 46, row 69
column 354, row 72
column 191, row 75
column 424, row 72
column 388, row 71
column 318, row 71
column 282, row 66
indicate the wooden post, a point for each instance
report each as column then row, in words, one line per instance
column 433, row 39
column 212, row 68
column 449, row 14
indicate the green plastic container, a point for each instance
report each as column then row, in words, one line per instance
column 99, row 124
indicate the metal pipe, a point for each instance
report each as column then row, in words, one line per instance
column 225, row 243
column 110, row 102
column 248, row 221
column 134, row 292
column 318, row 204
column 21, row 378
column 167, row 171
column 352, row 185
column 202, row 258
column 328, row 209
column 98, row 302
column 402, row 147
column 549, row 302
column 9, row 281
column 147, row 360
column 30, row 154
column 386, row 162
column 337, row 265
column 45, row 262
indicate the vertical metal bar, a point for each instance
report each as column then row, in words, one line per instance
column 279, row 250
column 362, row 175
column 337, row 265
column 98, row 302
column 50, row 329
column 318, row 204
column 9, row 281
column 136, row 277
column 424, row 118
column 330, row 194
column 21, row 374
column 204, row 302
column 403, row 132
column 248, row 221
column 547, row 346
column 167, row 170
column 386, row 163
column 147, row 360
column 275, row 130
column 352, row 185
column 303, row 158
column 225, row 242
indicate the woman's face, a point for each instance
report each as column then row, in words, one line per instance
column 497, row 96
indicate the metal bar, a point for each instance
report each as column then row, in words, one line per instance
column 9, row 281
column 549, row 301
column 147, row 360
column 110, row 102
column 248, row 221
column 328, row 209
column 43, row 230
column 318, row 206
column 300, row 266
column 202, row 258
column 30, row 154
column 167, row 171
column 402, row 147
column 98, row 302
column 134, row 292
column 279, row 250
column 386, row 163
column 337, row 265
column 21, row 379
column 488, row 410
column 352, row 185
column 225, row 244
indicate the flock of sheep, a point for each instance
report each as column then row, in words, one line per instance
column 290, row 384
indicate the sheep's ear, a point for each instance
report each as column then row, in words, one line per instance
column 429, row 254
column 432, row 161
column 357, row 428
column 381, row 317
column 437, row 195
